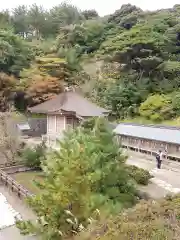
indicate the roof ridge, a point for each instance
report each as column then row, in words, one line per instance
column 152, row 126
column 151, row 132
column 64, row 97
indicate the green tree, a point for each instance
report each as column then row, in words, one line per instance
column 88, row 35
column 66, row 202
column 176, row 103
column 157, row 108
column 6, row 20
column 126, row 17
column 88, row 172
column 20, row 20
column 122, row 99
column 89, row 14
column 15, row 54
column 63, row 15
column 37, row 19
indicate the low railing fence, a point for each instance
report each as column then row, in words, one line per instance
column 9, row 164
column 14, row 186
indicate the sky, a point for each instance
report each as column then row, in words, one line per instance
column 103, row 7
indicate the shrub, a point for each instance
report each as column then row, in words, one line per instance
column 157, row 108
column 21, row 149
column 176, row 102
column 140, row 175
column 32, row 157
column 148, row 220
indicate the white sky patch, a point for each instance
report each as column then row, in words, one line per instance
column 103, row 7
column 7, row 213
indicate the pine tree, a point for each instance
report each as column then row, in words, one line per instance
column 87, row 173
column 66, row 201
column 114, row 181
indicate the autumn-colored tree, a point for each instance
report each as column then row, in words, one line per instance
column 43, row 88
column 7, row 84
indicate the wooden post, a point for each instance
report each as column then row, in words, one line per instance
column 6, row 180
column 12, row 186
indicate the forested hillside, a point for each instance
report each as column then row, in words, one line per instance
column 127, row 62
column 136, row 54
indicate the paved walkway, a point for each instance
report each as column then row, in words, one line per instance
column 12, row 233
column 165, row 181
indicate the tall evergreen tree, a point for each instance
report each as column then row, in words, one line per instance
column 87, row 173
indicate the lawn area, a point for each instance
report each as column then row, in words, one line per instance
column 26, row 179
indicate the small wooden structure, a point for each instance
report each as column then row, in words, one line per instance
column 65, row 110
column 150, row 139
column 23, row 128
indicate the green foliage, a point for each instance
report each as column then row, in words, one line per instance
column 15, row 54
column 176, row 103
column 139, row 42
column 147, row 220
column 126, row 17
column 90, row 14
column 63, row 15
column 43, row 47
column 88, row 172
column 73, row 60
column 147, row 51
column 145, row 44
column 140, row 175
column 33, row 157
column 5, row 21
column 20, row 19
column 88, row 36
column 157, row 108
column 122, row 99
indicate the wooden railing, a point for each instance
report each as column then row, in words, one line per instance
column 14, row 186
column 9, row 164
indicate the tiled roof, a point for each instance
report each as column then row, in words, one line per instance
column 162, row 133
column 70, row 102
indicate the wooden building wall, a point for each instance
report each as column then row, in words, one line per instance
column 149, row 144
column 56, row 124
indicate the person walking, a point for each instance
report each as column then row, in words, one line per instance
column 159, row 158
